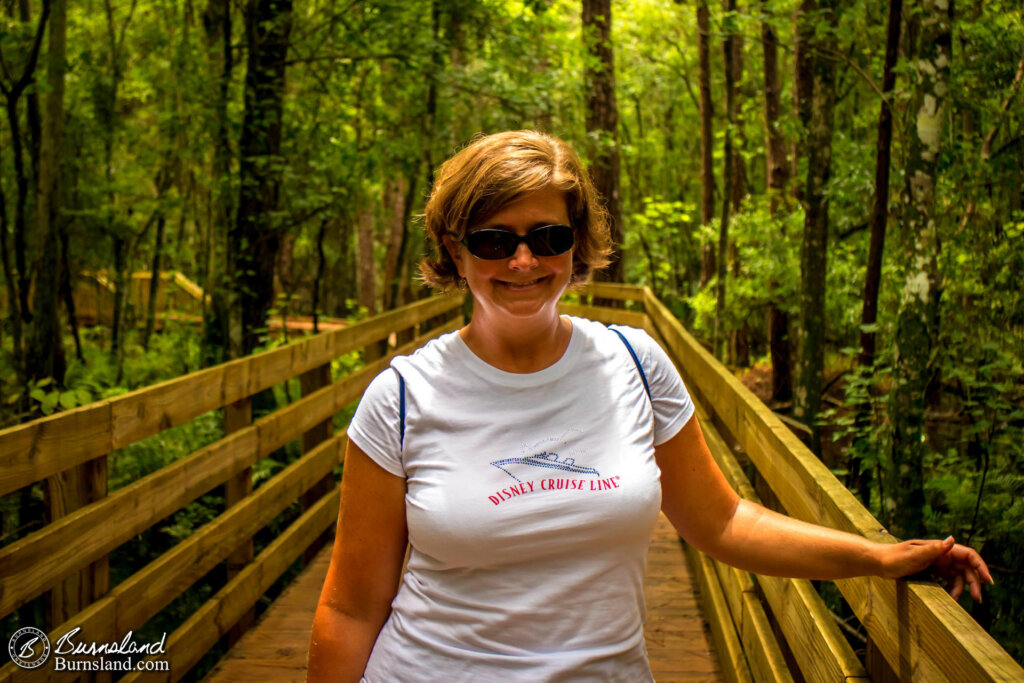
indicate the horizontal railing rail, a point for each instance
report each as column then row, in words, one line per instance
column 79, row 540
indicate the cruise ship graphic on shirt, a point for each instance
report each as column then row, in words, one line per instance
column 545, row 460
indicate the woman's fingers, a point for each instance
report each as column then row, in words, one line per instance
column 957, row 589
column 974, row 582
column 961, row 567
column 978, row 564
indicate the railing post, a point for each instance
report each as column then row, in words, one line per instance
column 311, row 381
column 878, row 668
column 66, row 492
column 238, row 415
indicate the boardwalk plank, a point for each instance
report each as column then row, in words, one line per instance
column 677, row 641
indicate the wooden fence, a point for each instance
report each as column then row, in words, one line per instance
column 773, row 629
column 68, row 557
column 766, row 628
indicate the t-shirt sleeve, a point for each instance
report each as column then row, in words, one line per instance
column 673, row 407
column 376, row 427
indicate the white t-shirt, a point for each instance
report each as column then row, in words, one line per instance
column 530, row 503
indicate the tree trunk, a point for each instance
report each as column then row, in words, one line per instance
column 21, row 313
column 394, row 207
column 778, row 179
column 367, row 265
column 33, row 119
column 120, row 290
column 254, row 239
column 803, row 35
column 399, row 283
column 66, row 289
column 217, row 278
column 728, row 173
column 602, row 119
column 739, row 339
column 154, row 279
column 45, row 346
column 879, row 218
column 318, row 279
column 775, row 143
column 707, row 168
column 918, row 318
column 813, row 252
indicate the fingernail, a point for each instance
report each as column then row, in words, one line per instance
column 948, row 538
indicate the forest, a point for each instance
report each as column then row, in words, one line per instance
column 828, row 193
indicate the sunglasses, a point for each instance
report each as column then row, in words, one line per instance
column 492, row 244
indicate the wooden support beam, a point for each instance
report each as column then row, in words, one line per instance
column 310, row 382
column 65, row 493
column 238, row 415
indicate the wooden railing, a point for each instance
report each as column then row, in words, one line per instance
column 765, row 628
column 762, row 625
column 67, row 452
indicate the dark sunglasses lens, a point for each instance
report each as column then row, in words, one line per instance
column 551, row 240
column 491, row 244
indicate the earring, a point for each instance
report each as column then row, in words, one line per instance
column 460, row 282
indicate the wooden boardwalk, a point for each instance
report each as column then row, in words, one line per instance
column 677, row 640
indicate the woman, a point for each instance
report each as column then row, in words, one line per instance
column 526, row 456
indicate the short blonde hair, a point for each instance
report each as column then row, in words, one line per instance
column 495, row 170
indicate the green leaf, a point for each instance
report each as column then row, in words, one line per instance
column 50, row 402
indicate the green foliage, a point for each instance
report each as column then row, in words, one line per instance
column 767, row 253
column 665, row 242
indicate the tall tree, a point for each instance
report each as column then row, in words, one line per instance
column 255, row 236
column 45, row 347
column 778, row 180
column 13, row 87
column 707, row 168
column 602, row 119
column 817, row 24
column 803, row 83
column 217, row 27
column 729, row 53
column 917, row 325
column 879, row 219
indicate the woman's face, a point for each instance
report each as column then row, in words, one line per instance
column 524, row 284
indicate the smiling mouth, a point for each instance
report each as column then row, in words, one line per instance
column 520, row 285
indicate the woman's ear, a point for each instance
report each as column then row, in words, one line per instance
column 453, row 249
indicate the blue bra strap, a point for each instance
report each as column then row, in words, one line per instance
column 636, row 361
column 401, row 408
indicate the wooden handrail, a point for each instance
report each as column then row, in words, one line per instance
column 85, row 536
column 44, row 447
column 917, row 627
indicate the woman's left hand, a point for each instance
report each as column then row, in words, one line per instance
column 957, row 564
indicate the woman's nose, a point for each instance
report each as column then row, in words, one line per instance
column 523, row 258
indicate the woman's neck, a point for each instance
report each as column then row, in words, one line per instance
column 527, row 345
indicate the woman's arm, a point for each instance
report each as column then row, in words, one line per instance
column 705, row 510
column 366, row 565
